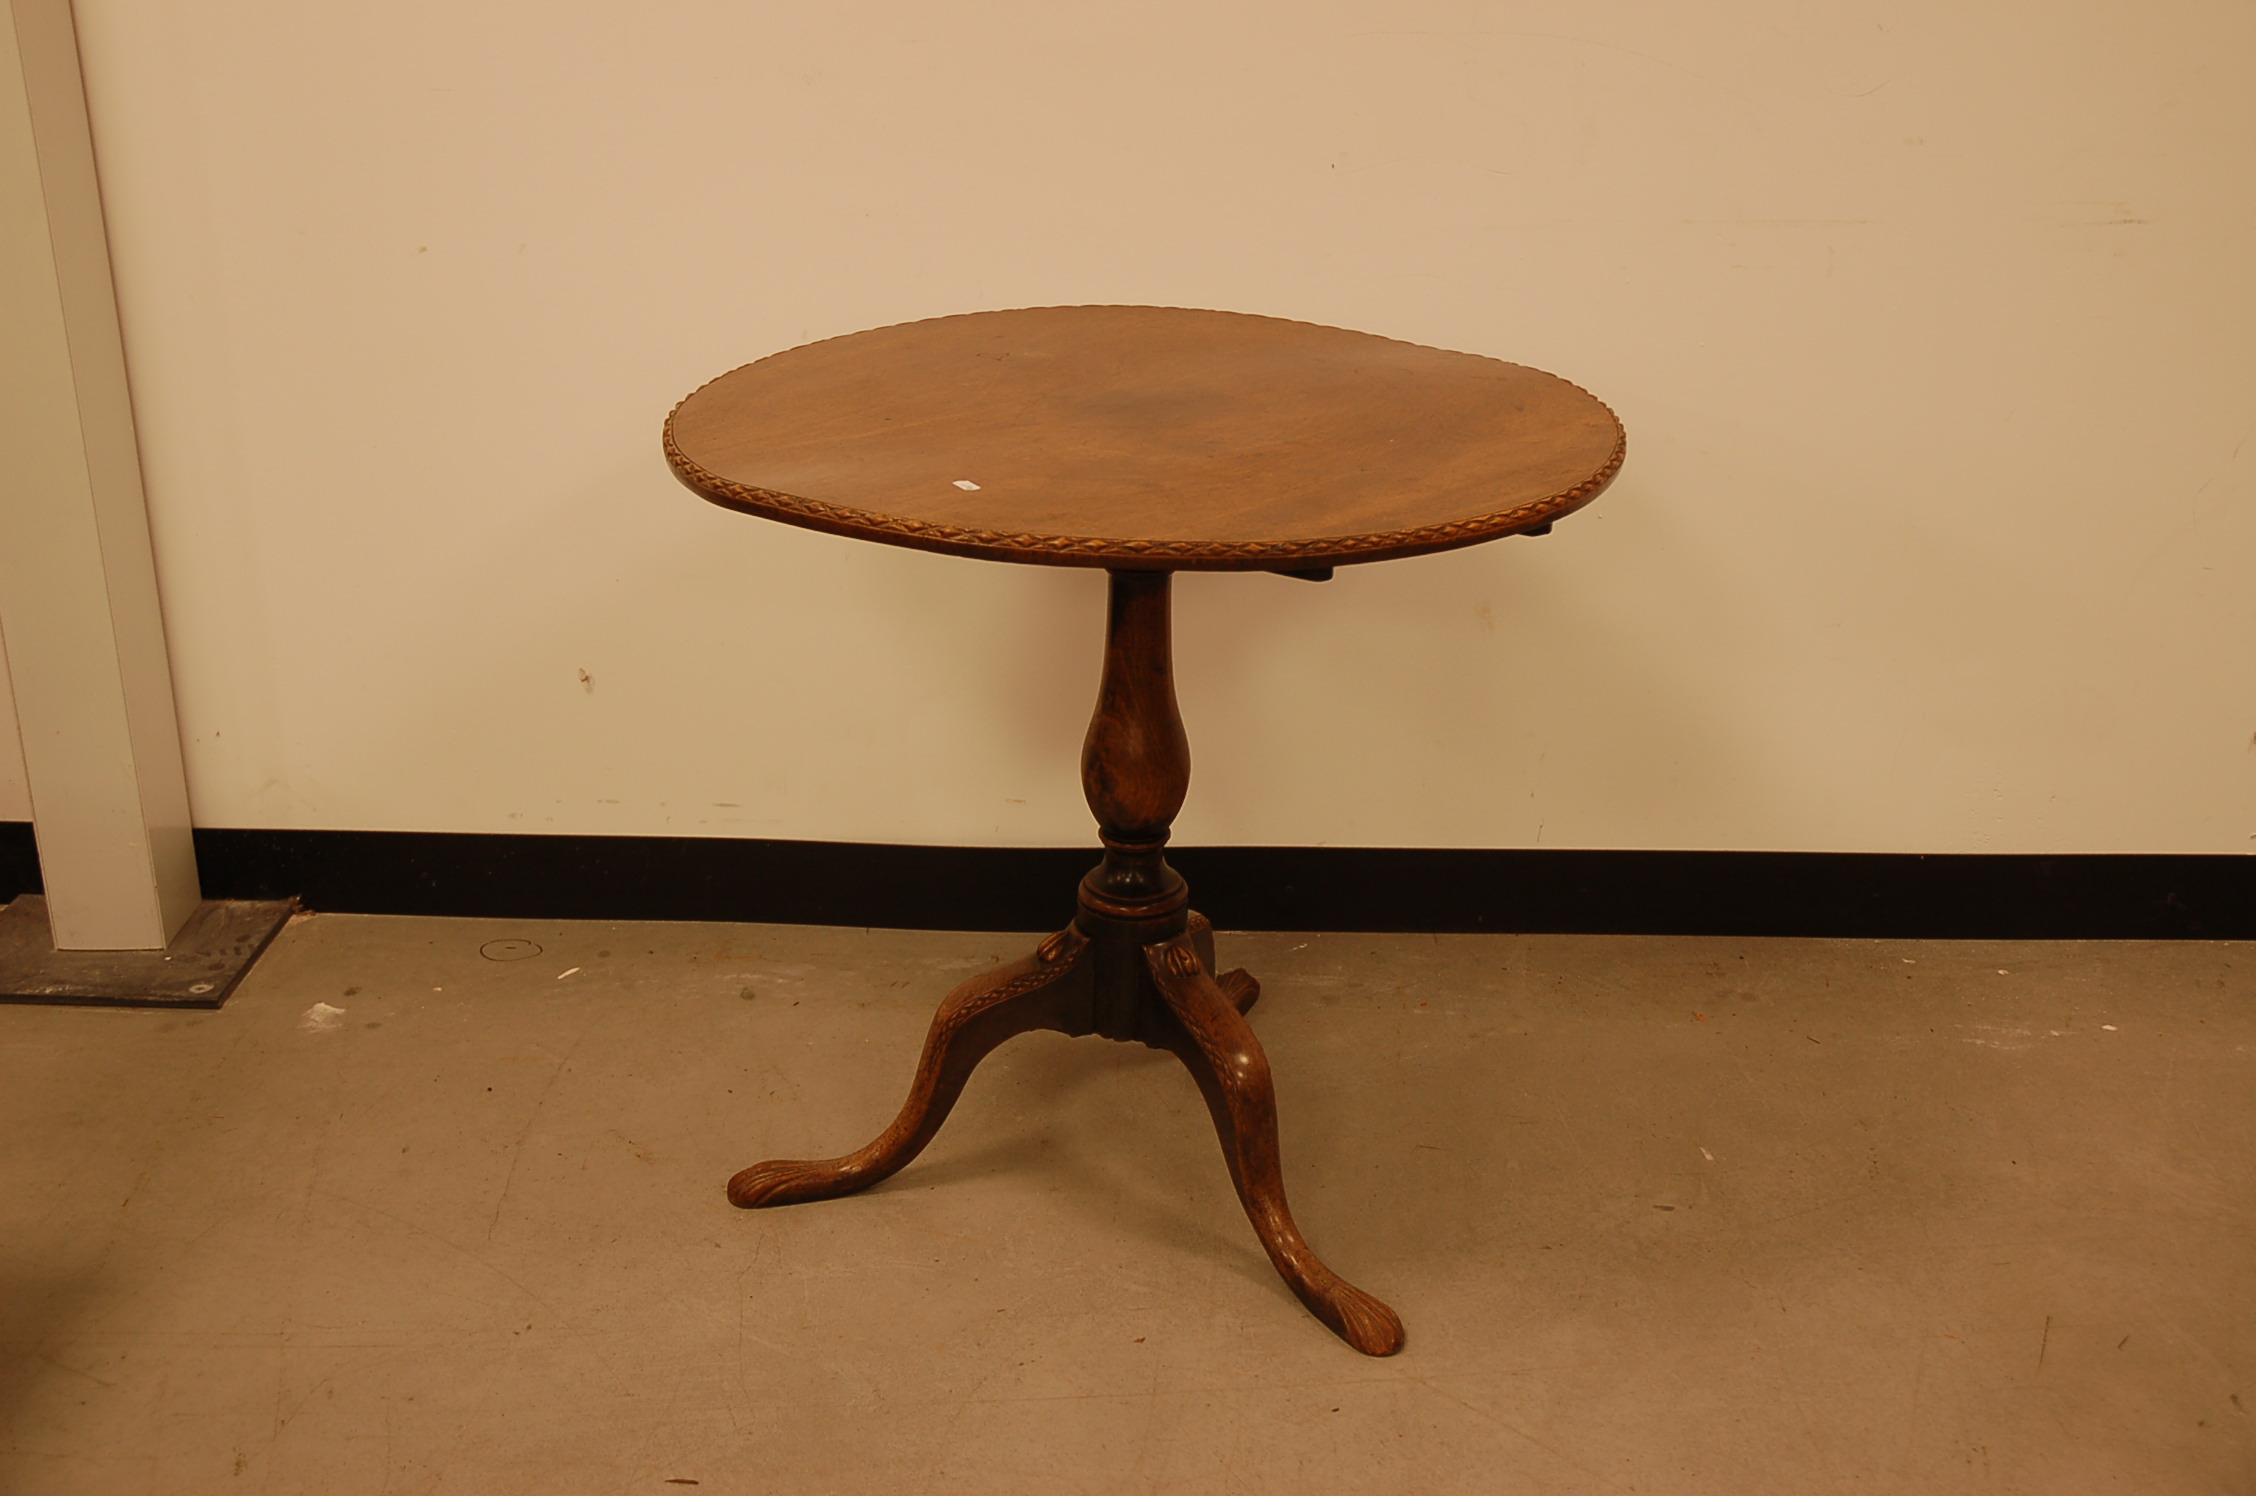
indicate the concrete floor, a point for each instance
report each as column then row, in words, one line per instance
column 1662, row 1215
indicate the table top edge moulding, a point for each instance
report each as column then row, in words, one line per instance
column 1113, row 503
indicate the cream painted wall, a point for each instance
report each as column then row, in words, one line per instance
column 1932, row 326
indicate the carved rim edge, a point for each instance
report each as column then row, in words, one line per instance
column 1094, row 550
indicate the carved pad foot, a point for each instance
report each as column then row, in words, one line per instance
column 788, row 1181
column 1355, row 1316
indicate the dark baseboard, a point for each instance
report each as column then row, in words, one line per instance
column 19, row 861
column 1891, row 895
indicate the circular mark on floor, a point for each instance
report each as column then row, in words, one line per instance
column 509, row 950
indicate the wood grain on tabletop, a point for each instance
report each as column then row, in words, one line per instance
column 1145, row 436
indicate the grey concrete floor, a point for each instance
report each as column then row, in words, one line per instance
column 1662, row 1215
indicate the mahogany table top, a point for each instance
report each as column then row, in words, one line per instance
column 1145, row 437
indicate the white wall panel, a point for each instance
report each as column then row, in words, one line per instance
column 1931, row 325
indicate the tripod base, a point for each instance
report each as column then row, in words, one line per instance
column 1135, row 964
column 1163, row 992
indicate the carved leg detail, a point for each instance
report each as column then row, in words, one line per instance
column 1240, row 988
column 1238, row 985
column 1222, row 1054
column 1031, row 993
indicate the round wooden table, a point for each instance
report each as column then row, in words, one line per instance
column 1144, row 440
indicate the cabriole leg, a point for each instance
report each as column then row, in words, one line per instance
column 1218, row 1046
column 1040, row 991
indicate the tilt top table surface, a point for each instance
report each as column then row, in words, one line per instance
column 1123, row 436
column 1144, row 440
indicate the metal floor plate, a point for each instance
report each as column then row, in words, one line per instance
column 201, row 966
